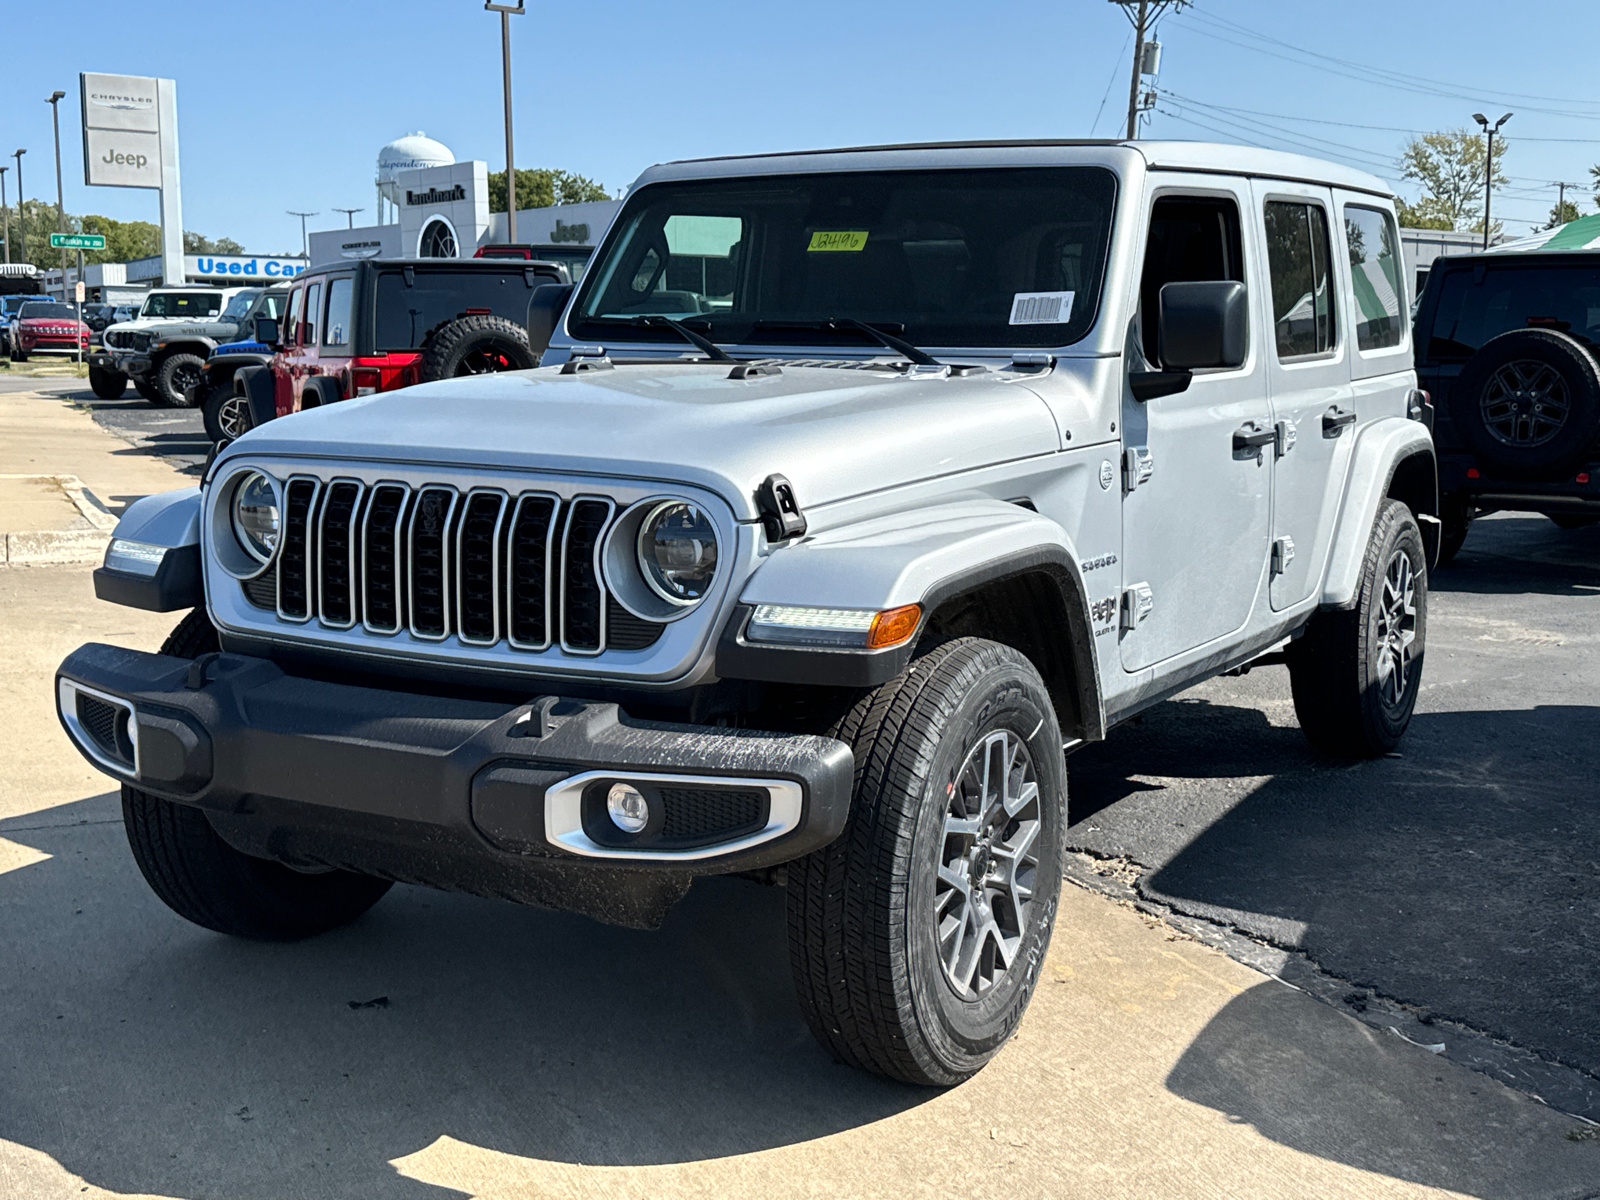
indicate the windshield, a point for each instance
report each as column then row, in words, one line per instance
column 46, row 310
column 981, row 257
column 239, row 305
column 181, row 304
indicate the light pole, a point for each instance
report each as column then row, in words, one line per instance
column 305, row 246
column 350, row 216
column 5, row 212
column 1488, row 167
column 54, row 101
column 22, row 211
column 506, row 12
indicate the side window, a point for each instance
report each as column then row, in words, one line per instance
column 336, row 326
column 1374, row 247
column 1302, row 292
column 291, row 324
column 308, row 335
column 1193, row 239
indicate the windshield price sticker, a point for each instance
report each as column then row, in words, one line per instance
column 1041, row 308
column 838, row 239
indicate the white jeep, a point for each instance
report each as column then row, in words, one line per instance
column 164, row 349
column 855, row 490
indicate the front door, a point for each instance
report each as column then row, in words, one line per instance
column 1196, row 474
column 1309, row 376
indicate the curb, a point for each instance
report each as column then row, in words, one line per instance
column 55, row 547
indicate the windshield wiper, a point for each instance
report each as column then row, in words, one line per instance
column 898, row 345
column 713, row 351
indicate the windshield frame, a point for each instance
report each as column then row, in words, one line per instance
column 613, row 331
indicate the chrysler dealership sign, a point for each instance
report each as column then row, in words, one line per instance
column 130, row 139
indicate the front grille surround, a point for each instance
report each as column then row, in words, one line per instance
column 535, row 517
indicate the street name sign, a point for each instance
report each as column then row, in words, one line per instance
column 77, row 241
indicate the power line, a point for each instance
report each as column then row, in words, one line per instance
column 1110, row 83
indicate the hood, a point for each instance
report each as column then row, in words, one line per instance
column 50, row 322
column 833, row 432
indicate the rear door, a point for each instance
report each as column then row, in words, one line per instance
column 1313, row 407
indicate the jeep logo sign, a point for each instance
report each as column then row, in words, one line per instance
column 136, row 161
column 122, row 158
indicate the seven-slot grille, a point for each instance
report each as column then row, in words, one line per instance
column 481, row 565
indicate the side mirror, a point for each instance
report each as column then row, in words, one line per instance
column 544, row 313
column 266, row 331
column 1202, row 325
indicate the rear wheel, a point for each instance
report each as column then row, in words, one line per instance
column 108, row 385
column 206, row 881
column 917, row 937
column 1355, row 672
column 150, row 392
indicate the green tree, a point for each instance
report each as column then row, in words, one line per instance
column 540, row 187
column 1595, row 172
column 199, row 243
column 1422, row 215
column 1449, row 165
column 1561, row 213
column 125, row 240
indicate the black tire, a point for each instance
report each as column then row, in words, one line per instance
column 226, row 412
column 177, row 374
column 1573, row 520
column 108, row 385
column 477, row 345
column 864, row 939
column 206, row 881
column 18, row 356
column 1528, row 403
column 1455, row 517
column 1348, row 704
column 150, row 392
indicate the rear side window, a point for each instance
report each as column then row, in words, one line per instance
column 1476, row 304
column 297, row 301
column 1302, row 294
column 1374, row 248
column 406, row 315
column 309, row 335
column 336, row 327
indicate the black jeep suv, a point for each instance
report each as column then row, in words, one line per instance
column 1507, row 346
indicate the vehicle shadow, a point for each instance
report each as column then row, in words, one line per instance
column 1519, row 553
column 1457, row 876
column 150, row 1056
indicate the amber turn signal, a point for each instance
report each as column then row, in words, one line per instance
column 893, row 626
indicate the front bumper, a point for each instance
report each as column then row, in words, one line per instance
column 471, row 795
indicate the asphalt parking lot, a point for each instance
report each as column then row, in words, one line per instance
column 447, row 1046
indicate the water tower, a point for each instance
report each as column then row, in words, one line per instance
column 406, row 154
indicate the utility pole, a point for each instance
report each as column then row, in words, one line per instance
column 1143, row 14
column 305, row 244
column 54, row 101
column 350, row 216
column 507, row 11
column 1488, row 167
column 22, row 210
column 5, row 212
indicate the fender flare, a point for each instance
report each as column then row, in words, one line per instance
column 256, row 385
column 930, row 556
column 171, row 521
column 1380, row 452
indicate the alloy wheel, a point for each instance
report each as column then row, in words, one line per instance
column 233, row 417
column 983, row 898
column 483, row 362
column 1397, row 629
column 1525, row 403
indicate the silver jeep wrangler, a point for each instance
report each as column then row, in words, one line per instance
column 855, row 489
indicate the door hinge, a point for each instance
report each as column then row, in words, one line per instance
column 1138, row 602
column 1287, row 435
column 1282, row 555
column 1138, row 464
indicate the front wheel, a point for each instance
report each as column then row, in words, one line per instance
column 1355, row 672
column 108, row 385
column 205, row 880
column 177, row 374
column 226, row 413
column 917, row 937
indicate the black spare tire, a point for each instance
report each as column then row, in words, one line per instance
column 476, row 345
column 1528, row 403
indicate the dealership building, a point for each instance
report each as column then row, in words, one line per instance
column 126, row 283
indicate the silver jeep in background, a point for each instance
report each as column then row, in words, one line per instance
column 855, row 488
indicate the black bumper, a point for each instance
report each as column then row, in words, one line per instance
column 1578, row 493
column 450, row 792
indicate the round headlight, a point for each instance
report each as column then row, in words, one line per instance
column 255, row 516
column 678, row 552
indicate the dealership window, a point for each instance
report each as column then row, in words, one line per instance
column 336, row 325
column 1375, row 275
column 1302, row 294
column 308, row 333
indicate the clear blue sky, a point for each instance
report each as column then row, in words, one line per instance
column 284, row 105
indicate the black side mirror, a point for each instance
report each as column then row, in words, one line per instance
column 266, row 331
column 544, row 313
column 1202, row 325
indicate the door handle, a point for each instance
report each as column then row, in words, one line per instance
column 1251, row 436
column 1335, row 419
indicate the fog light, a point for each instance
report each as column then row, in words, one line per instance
column 629, row 810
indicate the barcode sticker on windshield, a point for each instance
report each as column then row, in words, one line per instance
column 1041, row 308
